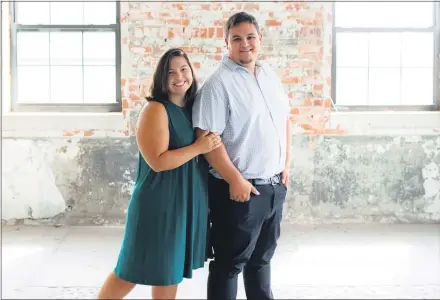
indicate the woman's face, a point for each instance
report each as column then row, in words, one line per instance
column 180, row 76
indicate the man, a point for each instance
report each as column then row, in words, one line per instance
column 243, row 100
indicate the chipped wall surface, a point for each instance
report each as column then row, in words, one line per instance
column 346, row 167
column 333, row 179
column 365, row 179
column 83, row 180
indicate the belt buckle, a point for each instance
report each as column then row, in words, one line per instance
column 274, row 180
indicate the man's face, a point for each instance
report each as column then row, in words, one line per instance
column 243, row 44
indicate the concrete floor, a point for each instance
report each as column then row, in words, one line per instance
column 338, row 261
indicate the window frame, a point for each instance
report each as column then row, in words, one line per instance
column 436, row 89
column 64, row 107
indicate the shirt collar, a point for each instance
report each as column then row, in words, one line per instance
column 234, row 66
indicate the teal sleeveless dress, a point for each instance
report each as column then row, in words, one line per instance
column 166, row 228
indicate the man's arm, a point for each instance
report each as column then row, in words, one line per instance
column 239, row 188
column 286, row 171
column 220, row 161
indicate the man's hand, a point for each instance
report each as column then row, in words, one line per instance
column 285, row 176
column 240, row 190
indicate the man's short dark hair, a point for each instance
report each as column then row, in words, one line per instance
column 238, row 18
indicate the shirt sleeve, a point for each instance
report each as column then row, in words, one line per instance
column 211, row 108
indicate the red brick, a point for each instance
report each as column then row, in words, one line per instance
column 317, row 102
column 178, row 6
column 203, row 33
column 302, row 69
column 294, row 111
column 124, row 103
column 328, row 103
column 134, row 96
column 249, row 7
column 290, row 80
column 307, row 102
column 219, row 23
column 211, row 33
column 88, row 133
column 271, row 23
column 216, row 6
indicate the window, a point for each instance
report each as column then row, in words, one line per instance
column 384, row 55
column 65, row 56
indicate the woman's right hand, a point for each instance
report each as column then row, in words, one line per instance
column 208, row 141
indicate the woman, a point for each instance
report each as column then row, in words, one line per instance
column 167, row 219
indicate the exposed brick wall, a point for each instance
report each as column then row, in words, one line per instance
column 296, row 42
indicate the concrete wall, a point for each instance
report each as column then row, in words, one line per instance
column 354, row 167
column 333, row 179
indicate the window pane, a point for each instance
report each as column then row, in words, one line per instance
column 352, row 49
column 384, row 14
column 33, row 13
column 100, row 13
column 33, row 48
column 385, row 49
column 66, row 13
column 66, row 48
column 417, row 86
column 99, row 85
column 351, row 86
column 384, row 86
column 99, row 48
column 66, row 84
column 418, row 49
column 33, row 84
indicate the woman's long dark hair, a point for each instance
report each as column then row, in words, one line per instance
column 159, row 87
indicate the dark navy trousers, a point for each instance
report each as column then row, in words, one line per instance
column 244, row 237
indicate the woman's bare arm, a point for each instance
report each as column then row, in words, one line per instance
column 152, row 137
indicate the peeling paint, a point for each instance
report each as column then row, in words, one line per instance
column 342, row 179
column 385, row 179
column 28, row 182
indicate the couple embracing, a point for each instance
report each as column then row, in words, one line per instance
column 222, row 149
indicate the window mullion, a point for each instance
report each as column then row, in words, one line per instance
column 383, row 29
column 50, row 64
column 82, row 58
column 45, row 28
column 368, row 70
column 401, row 68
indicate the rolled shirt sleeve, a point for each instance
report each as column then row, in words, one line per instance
column 211, row 110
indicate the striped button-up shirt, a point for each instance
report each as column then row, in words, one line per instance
column 249, row 112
